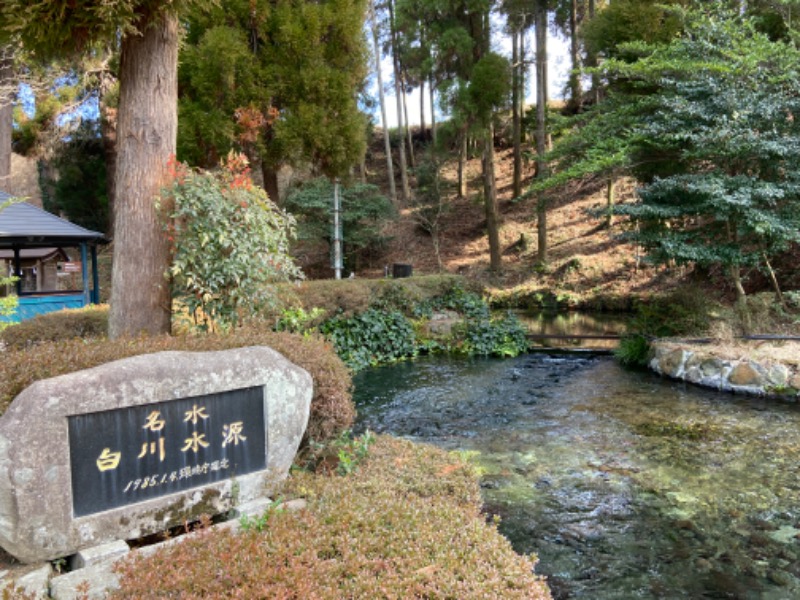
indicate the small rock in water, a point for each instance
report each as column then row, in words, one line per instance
column 703, row 565
column 779, row 578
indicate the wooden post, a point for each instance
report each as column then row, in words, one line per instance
column 95, row 277
column 85, row 274
column 18, row 270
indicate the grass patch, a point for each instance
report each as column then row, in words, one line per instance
column 405, row 524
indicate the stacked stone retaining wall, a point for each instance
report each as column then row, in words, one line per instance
column 762, row 377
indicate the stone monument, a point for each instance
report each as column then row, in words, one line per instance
column 143, row 444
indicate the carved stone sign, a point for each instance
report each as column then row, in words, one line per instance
column 139, row 445
column 128, row 455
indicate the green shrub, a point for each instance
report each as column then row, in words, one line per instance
column 687, row 311
column 88, row 322
column 365, row 211
column 633, row 351
column 332, row 409
column 370, row 338
column 456, row 298
column 407, row 524
column 8, row 304
column 230, row 244
column 504, row 336
column 297, row 320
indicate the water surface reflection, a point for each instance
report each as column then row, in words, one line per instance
column 625, row 485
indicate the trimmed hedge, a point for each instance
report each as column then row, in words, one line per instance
column 406, row 524
column 88, row 322
column 332, row 409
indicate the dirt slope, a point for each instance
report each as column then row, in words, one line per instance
column 586, row 258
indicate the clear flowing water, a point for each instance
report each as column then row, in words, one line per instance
column 625, row 485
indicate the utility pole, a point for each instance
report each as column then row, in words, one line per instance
column 337, row 231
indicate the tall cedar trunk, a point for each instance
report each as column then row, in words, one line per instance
column 271, row 182
column 140, row 294
column 432, row 93
column 515, row 107
column 522, row 76
column 574, row 53
column 399, row 97
column 490, row 201
column 462, row 165
column 411, row 160
column 382, row 97
column 422, row 108
column 541, row 126
column 6, row 117
column 591, row 59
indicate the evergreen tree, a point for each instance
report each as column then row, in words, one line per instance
column 278, row 80
column 707, row 123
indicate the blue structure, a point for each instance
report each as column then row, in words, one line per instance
column 28, row 233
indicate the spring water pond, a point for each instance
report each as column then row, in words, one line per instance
column 624, row 484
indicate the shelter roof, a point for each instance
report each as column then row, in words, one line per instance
column 25, row 225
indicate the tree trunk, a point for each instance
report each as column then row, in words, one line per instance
column 410, row 141
column 523, row 77
column 399, row 97
column 741, row 298
column 591, row 59
column 610, row 201
column 515, row 114
column 541, row 126
column 140, row 293
column 773, row 280
column 432, row 93
column 574, row 52
column 462, row 165
column 270, row 175
column 422, row 108
column 490, row 202
column 382, row 98
column 6, row 116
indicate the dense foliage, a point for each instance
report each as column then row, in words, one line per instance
column 707, row 123
column 393, row 324
column 80, row 189
column 371, row 338
column 230, row 244
column 278, row 80
column 503, row 336
column 365, row 213
column 406, row 524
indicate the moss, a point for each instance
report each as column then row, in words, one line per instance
column 687, row 431
column 406, row 524
column 179, row 512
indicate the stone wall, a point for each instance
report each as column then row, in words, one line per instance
column 699, row 365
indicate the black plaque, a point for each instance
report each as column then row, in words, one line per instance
column 124, row 456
